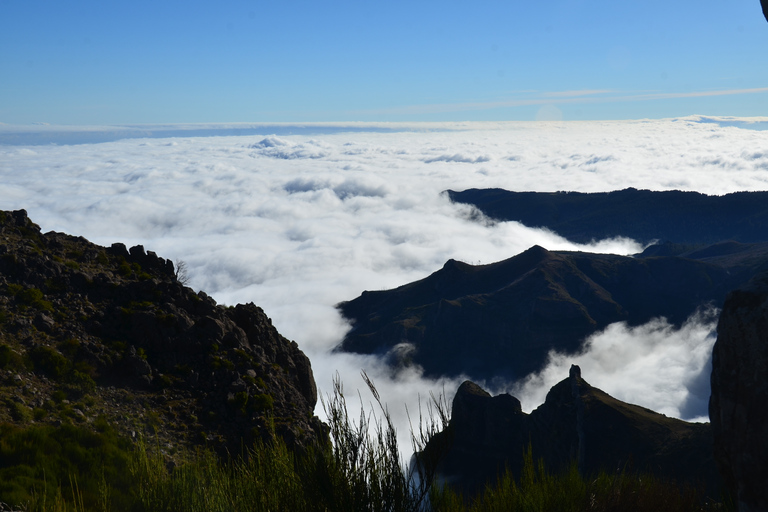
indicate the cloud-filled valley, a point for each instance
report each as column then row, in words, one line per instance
column 298, row 223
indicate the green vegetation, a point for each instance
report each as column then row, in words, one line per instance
column 55, row 468
column 70, row 468
column 50, row 362
column 537, row 490
column 9, row 358
column 32, row 297
column 28, row 297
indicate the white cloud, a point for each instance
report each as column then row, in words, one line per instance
column 459, row 158
column 655, row 365
column 298, row 223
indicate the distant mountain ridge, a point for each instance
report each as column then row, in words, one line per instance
column 502, row 319
column 643, row 215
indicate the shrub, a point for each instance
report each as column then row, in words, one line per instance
column 49, row 361
column 9, row 358
column 41, row 465
column 77, row 376
column 124, row 269
column 14, row 289
column 262, row 402
column 33, row 297
column 18, row 411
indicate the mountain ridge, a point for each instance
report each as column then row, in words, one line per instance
column 519, row 309
column 643, row 215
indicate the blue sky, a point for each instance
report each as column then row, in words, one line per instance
column 84, row 62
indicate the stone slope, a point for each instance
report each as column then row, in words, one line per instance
column 88, row 331
column 577, row 424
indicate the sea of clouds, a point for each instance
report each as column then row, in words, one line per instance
column 297, row 223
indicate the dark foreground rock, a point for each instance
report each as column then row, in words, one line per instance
column 89, row 331
column 502, row 319
column 739, row 404
column 577, row 424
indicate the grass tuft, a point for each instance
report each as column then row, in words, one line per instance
column 360, row 468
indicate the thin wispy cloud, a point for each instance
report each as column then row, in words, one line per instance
column 568, row 94
column 595, row 96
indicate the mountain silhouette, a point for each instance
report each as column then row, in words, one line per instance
column 577, row 424
column 643, row 215
column 502, row 319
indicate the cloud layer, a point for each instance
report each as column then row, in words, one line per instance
column 654, row 365
column 298, row 223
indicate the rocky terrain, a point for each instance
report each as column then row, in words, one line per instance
column 643, row 215
column 577, row 424
column 737, row 407
column 502, row 319
column 90, row 332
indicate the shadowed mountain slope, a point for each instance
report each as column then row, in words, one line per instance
column 503, row 318
column 577, row 424
column 739, row 381
column 643, row 215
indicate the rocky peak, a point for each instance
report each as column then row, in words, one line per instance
column 501, row 320
column 578, row 424
column 113, row 330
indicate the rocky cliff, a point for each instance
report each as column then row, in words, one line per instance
column 502, row 319
column 577, row 424
column 738, row 406
column 89, row 331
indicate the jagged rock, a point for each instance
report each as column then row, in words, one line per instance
column 738, row 405
column 44, row 322
column 577, row 424
column 117, row 324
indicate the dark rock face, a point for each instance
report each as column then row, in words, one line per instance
column 643, row 215
column 738, row 407
column 502, row 319
column 115, row 328
column 764, row 3
column 577, row 424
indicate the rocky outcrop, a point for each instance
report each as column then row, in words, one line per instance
column 577, row 424
column 502, row 319
column 643, row 215
column 115, row 332
column 738, row 406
